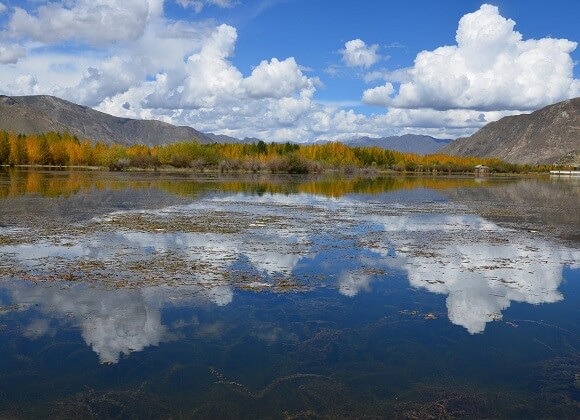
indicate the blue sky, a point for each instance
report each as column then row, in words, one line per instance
column 296, row 69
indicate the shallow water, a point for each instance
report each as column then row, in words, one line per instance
column 148, row 295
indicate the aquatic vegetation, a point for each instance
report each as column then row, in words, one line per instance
column 139, row 403
column 559, row 380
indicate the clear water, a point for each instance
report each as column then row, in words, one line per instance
column 151, row 296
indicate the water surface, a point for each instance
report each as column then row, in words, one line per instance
column 148, row 295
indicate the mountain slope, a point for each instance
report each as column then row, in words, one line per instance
column 408, row 143
column 222, row 138
column 542, row 137
column 40, row 114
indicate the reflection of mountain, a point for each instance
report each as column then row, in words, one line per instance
column 33, row 211
column 527, row 204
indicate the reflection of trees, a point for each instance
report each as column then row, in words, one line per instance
column 14, row 183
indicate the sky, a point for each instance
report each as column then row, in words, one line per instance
column 296, row 70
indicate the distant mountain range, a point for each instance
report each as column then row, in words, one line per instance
column 408, row 143
column 546, row 136
column 222, row 138
column 40, row 114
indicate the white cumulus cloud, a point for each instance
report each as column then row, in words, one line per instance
column 490, row 68
column 114, row 75
column 379, row 95
column 97, row 22
column 11, row 54
column 357, row 53
column 208, row 78
column 24, row 84
column 275, row 79
column 198, row 5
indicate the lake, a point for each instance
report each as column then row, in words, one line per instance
column 144, row 295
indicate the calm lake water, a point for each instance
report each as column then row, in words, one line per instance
column 157, row 295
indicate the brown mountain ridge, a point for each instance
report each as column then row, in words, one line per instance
column 543, row 137
column 42, row 113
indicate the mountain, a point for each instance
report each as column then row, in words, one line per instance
column 542, row 137
column 40, row 114
column 408, row 143
column 222, row 138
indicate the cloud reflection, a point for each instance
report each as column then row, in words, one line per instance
column 481, row 267
column 112, row 322
column 351, row 283
column 481, row 278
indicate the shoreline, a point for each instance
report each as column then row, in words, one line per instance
column 359, row 171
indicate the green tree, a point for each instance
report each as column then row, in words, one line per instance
column 261, row 148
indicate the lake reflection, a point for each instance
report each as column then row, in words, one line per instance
column 480, row 279
column 226, row 265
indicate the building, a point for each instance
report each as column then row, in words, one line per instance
column 481, row 170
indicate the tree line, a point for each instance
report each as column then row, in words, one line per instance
column 64, row 149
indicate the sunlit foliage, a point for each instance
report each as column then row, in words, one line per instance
column 63, row 149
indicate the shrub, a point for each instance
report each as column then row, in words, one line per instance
column 253, row 165
column 291, row 164
column 120, row 164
